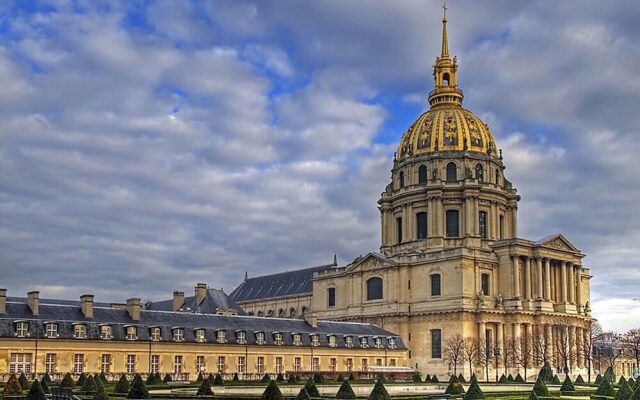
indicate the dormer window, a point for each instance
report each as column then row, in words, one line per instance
column 131, row 333
column 178, row 334
column 221, row 336
column 259, row 337
column 377, row 342
column 156, row 334
column 277, row 339
column 297, row 339
column 200, row 336
column 364, row 342
column 241, row 337
column 392, row 343
column 106, row 332
column 332, row 340
column 51, row 330
column 348, row 341
column 80, row 331
column 315, row 340
column 22, row 329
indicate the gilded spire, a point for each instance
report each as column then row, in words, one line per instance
column 445, row 40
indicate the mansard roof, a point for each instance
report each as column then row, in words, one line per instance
column 291, row 283
column 214, row 301
column 68, row 315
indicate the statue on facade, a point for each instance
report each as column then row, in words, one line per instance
column 499, row 300
column 480, row 299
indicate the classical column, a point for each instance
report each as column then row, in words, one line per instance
column 476, row 219
column 572, row 347
column 548, row 340
column 468, row 214
column 500, row 335
column 578, row 288
column 482, row 334
column 527, row 278
column 540, row 292
column 563, row 281
column 516, row 276
column 516, row 331
column 547, row 279
column 579, row 349
column 528, row 331
column 441, row 216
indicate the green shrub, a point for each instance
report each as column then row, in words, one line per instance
column 123, row 385
column 89, row 385
column 67, row 381
column 579, row 380
column 204, row 389
column 434, row 379
column 266, row 378
column 318, row 378
column 236, row 378
column 292, row 379
column 138, row 389
column 556, row 380
column 454, row 387
column 200, row 378
column 503, row 379
column 625, row 392
column 351, row 377
column 280, row 378
column 474, row 392
column 546, row 373
column 311, row 388
column 81, row 379
column 518, row 378
column 46, row 378
column 636, row 391
column 609, row 375
column 272, row 392
column 540, row 387
column 598, row 379
column 567, row 386
column 461, row 378
column 167, row 378
column 36, row 392
column 340, row 378
column 417, row 378
column 621, row 380
column 24, row 382
column 510, row 378
column 631, row 382
column 303, row 395
column 533, row 396
column 345, row 391
column 12, row 387
column 100, row 394
column 605, row 388
column 218, row 381
column 151, row 380
column 98, row 381
column 45, row 387
column 379, row 392
column 104, row 379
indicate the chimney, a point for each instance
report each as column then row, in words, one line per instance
column 33, row 299
column 133, row 308
column 201, row 292
column 178, row 300
column 3, row 301
column 86, row 305
column 312, row 319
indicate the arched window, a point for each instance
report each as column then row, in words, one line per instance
column 331, row 297
column 453, row 227
column 479, row 173
column 260, row 313
column 445, row 79
column 303, row 310
column 436, row 287
column 399, row 229
column 401, row 179
column 281, row 313
column 374, row 289
column 497, row 176
column 292, row 312
column 421, row 225
column 422, row 175
column 484, row 281
column 452, row 174
column 482, row 223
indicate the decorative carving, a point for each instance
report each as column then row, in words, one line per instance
column 450, row 129
column 474, row 131
column 557, row 243
column 480, row 299
column 499, row 300
column 424, row 139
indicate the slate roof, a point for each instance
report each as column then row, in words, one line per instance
column 291, row 283
column 214, row 300
column 66, row 316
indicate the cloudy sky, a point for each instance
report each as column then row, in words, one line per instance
column 147, row 146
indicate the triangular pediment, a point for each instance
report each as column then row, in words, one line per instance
column 370, row 262
column 558, row 242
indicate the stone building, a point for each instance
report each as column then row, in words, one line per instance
column 450, row 262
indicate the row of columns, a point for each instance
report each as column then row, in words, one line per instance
column 537, row 280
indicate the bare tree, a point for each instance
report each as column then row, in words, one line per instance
column 524, row 354
column 561, row 347
column 608, row 346
column 541, row 345
column 470, row 353
column 508, row 354
column 485, row 356
column 631, row 343
column 453, row 348
column 592, row 332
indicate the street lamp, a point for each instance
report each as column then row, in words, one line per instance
column 496, row 353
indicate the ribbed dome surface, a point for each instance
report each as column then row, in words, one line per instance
column 450, row 128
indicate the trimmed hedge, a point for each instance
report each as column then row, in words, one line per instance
column 474, row 392
column 345, row 391
column 12, row 387
column 379, row 392
column 122, row 386
column 540, row 387
column 36, row 392
column 272, row 392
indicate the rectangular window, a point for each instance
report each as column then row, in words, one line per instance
column 200, row 367
column 222, row 367
column 378, row 342
column 131, row 363
column 453, row 227
column 277, row 339
column 155, row 334
column 315, row 340
column 278, row 365
column 178, row 335
column 155, row 363
column 221, row 336
column 379, row 362
column 106, row 332
column 331, row 297
column 364, row 342
column 392, row 343
column 132, row 333
column 105, row 363
column 78, row 363
column 241, row 337
column 332, row 341
column 315, row 364
column 260, row 365
column 79, row 331
column 297, row 364
column 50, row 363
column 260, row 338
column 51, row 330
column 297, row 339
column 436, row 343
column 20, row 362
column 349, row 362
column 482, row 223
column 177, row 364
column 364, row 364
column 241, row 364
column 332, row 364
column 435, row 285
column 502, row 227
column 392, row 362
column 399, row 230
column 421, row 225
column 484, row 278
column 22, row 329
column 348, row 341
column 200, row 336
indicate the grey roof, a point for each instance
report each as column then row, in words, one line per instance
column 291, row 283
column 66, row 316
column 215, row 300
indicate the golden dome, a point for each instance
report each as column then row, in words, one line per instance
column 446, row 129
